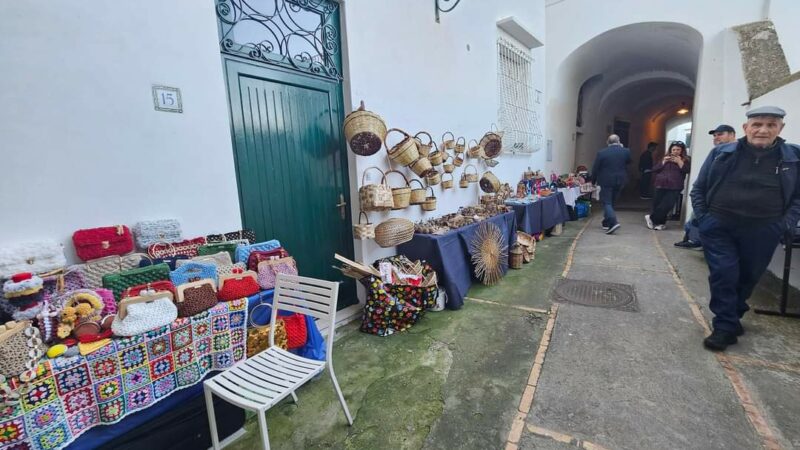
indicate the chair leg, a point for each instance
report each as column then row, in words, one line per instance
column 212, row 421
column 339, row 393
column 262, row 424
column 294, row 397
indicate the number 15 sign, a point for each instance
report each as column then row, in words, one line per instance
column 167, row 99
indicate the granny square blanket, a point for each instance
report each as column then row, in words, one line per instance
column 72, row 395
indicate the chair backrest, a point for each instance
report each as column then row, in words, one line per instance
column 309, row 296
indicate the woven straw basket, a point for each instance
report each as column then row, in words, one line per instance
column 364, row 131
column 489, row 182
column 401, row 196
column 375, row 197
column 471, row 177
column 449, row 167
column 463, row 182
column 436, row 156
column 405, row 152
column 433, row 178
column 417, row 194
column 515, row 256
column 363, row 231
column 492, row 144
column 458, row 160
column 460, row 145
column 430, row 201
column 422, row 166
column 476, row 150
column 447, row 184
column 423, row 148
column 393, row 232
column 448, row 143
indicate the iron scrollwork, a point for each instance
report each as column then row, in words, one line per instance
column 441, row 6
column 297, row 34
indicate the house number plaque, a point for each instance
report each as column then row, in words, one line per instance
column 167, row 99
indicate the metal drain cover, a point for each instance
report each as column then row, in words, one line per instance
column 593, row 293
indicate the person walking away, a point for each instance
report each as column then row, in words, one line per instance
column 723, row 134
column 645, row 168
column 746, row 198
column 609, row 171
column 670, row 175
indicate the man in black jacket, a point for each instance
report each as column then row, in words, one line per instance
column 746, row 197
column 610, row 172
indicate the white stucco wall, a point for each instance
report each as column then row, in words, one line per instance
column 82, row 144
column 422, row 75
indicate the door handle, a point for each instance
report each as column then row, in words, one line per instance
column 341, row 205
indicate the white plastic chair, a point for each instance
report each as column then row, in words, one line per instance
column 268, row 377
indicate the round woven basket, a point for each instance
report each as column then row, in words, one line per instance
column 489, row 182
column 449, row 167
column 433, row 178
column 364, row 131
column 422, row 166
column 460, row 145
column 394, row 231
column 363, row 231
column 401, row 196
column 430, row 202
column 458, row 160
column 405, row 152
column 474, row 151
column 492, row 144
column 375, row 197
column 463, row 182
column 424, row 149
column 448, row 143
column 436, row 156
column 417, row 196
column 515, row 257
column 471, row 177
column 447, row 184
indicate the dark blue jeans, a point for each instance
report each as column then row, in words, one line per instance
column 609, row 196
column 737, row 257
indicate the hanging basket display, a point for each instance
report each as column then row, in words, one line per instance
column 430, row 201
column 471, row 177
column 375, row 197
column 417, row 194
column 458, row 160
column 460, row 145
column 424, row 149
column 422, row 166
column 433, row 178
column 474, row 151
column 463, row 183
column 448, row 142
column 447, row 184
column 401, row 196
column 448, row 167
column 363, row 231
column 364, row 131
column 436, row 156
column 404, row 152
column 489, row 253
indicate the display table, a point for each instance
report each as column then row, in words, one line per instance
column 544, row 213
column 571, row 195
column 449, row 255
column 73, row 395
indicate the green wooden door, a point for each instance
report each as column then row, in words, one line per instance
column 291, row 165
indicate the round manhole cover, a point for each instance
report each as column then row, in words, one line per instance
column 593, row 293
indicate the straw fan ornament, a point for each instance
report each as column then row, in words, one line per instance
column 489, row 253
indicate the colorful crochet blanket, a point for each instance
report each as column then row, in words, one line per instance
column 72, row 395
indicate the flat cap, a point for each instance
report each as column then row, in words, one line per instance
column 772, row 111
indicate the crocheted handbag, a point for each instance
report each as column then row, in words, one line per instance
column 193, row 271
column 25, row 292
column 243, row 251
column 172, row 261
column 150, row 232
column 33, row 257
column 241, row 235
column 93, row 271
column 196, row 297
column 258, row 256
column 296, row 330
column 268, row 271
column 143, row 313
column 156, row 286
column 62, row 280
column 240, row 284
column 21, row 347
column 187, row 247
column 258, row 335
column 100, row 242
column 211, row 248
column 118, row 282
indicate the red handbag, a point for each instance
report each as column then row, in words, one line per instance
column 259, row 255
column 240, row 284
column 164, row 249
column 295, row 330
column 94, row 243
column 158, row 286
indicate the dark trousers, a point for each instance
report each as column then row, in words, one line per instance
column 663, row 202
column 737, row 257
column 609, row 196
column 644, row 184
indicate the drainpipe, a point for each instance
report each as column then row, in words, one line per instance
column 765, row 9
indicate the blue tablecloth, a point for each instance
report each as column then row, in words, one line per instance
column 449, row 255
column 540, row 215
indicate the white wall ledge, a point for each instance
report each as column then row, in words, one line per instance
column 518, row 31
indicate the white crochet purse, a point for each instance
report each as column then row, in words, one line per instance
column 143, row 313
column 34, row 257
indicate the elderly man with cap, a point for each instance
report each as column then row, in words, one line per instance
column 723, row 134
column 745, row 198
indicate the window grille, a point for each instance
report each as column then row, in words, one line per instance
column 518, row 99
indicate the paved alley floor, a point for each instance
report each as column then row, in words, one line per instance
column 513, row 370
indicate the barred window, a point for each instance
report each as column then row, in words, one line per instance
column 517, row 99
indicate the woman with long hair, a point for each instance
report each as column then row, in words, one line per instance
column 670, row 173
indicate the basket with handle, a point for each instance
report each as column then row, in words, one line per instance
column 471, row 177
column 458, row 160
column 417, row 194
column 363, row 231
column 461, row 145
column 436, row 156
column 404, row 152
column 423, row 148
column 393, row 232
column 448, row 143
column 433, row 178
column 447, row 184
column 364, row 131
column 449, row 167
column 375, row 197
column 422, row 166
column 463, row 183
column 492, row 144
column 476, row 150
column 430, row 201
column 401, row 196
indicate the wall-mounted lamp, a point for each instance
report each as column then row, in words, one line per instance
column 442, row 6
column 682, row 111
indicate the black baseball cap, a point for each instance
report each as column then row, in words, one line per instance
column 722, row 129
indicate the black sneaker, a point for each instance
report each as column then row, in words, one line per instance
column 613, row 229
column 719, row 340
column 689, row 245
